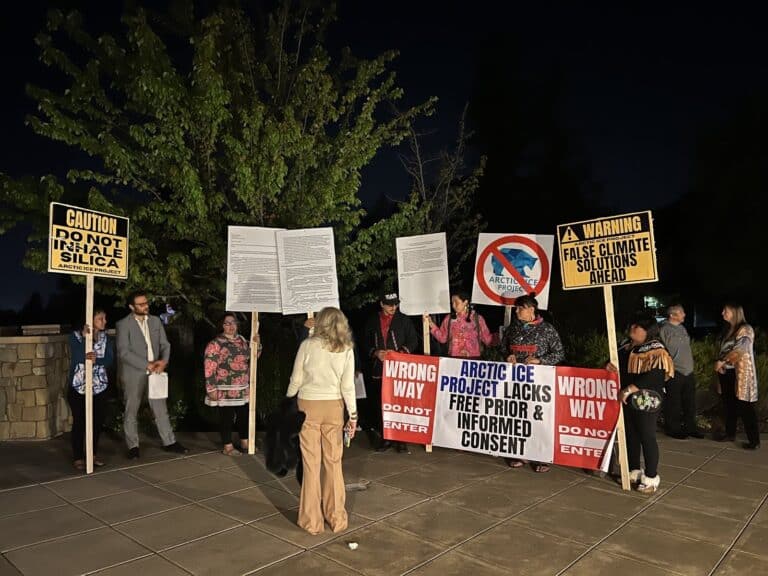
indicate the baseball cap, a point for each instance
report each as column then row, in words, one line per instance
column 389, row 298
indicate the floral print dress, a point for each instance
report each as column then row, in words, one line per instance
column 227, row 371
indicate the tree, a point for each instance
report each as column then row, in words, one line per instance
column 196, row 123
column 447, row 195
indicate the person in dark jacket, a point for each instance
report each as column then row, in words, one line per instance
column 102, row 356
column 389, row 329
column 529, row 339
column 644, row 365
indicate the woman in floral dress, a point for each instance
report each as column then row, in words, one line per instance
column 227, row 373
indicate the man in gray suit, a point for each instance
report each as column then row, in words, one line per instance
column 142, row 348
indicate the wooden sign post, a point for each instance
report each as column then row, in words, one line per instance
column 88, row 243
column 605, row 252
column 253, row 381
column 427, row 352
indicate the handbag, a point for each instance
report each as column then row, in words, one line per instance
column 158, row 386
column 646, row 400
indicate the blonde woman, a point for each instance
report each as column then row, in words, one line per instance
column 323, row 377
column 737, row 375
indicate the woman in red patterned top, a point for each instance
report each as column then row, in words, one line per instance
column 227, row 373
column 464, row 329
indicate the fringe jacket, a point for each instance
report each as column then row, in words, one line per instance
column 738, row 353
column 648, row 365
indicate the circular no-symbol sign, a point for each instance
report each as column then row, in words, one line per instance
column 505, row 254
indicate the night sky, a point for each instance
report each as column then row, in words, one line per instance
column 631, row 87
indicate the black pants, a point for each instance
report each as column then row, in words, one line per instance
column 641, row 436
column 229, row 415
column 680, row 404
column 77, row 406
column 735, row 408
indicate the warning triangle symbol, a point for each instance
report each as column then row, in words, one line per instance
column 569, row 235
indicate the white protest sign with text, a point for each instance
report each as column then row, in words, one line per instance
column 307, row 260
column 253, row 273
column 422, row 274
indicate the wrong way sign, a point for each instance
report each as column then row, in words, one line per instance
column 510, row 265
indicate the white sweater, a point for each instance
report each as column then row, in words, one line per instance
column 319, row 374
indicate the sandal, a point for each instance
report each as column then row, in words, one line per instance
column 513, row 463
column 231, row 452
column 541, row 467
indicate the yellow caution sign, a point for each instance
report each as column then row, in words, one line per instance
column 608, row 251
column 85, row 242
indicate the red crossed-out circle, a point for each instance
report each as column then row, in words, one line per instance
column 493, row 250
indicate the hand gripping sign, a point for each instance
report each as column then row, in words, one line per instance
column 510, row 265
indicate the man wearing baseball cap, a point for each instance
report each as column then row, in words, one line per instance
column 389, row 329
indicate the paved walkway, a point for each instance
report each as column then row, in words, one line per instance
column 446, row 513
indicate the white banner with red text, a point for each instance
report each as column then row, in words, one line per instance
column 556, row 414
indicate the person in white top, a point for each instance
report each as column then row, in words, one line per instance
column 323, row 378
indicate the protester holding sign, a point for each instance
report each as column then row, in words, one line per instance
column 323, row 378
column 390, row 329
column 464, row 330
column 227, row 369
column 644, row 367
column 737, row 375
column 531, row 340
column 102, row 356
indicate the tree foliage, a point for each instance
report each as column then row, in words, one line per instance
column 196, row 122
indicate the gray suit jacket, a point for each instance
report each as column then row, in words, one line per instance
column 132, row 347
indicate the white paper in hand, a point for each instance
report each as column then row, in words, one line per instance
column 359, row 386
column 158, row 386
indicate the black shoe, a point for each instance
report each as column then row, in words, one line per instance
column 384, row 446
column 697, row 434
column 175, row 447
column 750, row 445
column 677, row 435
column 133, row 453
column 402, row 448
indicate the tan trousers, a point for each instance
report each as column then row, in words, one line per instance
column 322, row 490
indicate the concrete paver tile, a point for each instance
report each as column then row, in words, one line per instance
column 566, row 522
column 161, row 472
column 307, row 563
column 710, row 502
column 663, row 549
column 148, row 566
column 755, row 541
column 7, row 569
column 594, row 499
column 95, row 486
column 123, row 507
column 27, row 499
column 33, row 527
column 682, row 459
column 457, row 564
column 382, row 551
column 77, row 554
column 284, row 526
column 440, row 523
column 739, row 563
column 252, row 470
column 439, row 478
column 728, row 485
column 379, row 501
column 758, row 458
column 207, row 486
column 694, row 524
column 603, row 564
column 741, row 471
column 253, row 503
column 231, row 553
column 523, row 552
column 175, row 527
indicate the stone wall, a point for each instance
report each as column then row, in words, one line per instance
column 33, row 374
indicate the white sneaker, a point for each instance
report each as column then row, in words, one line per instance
column 634, row 476
column 648, row 485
